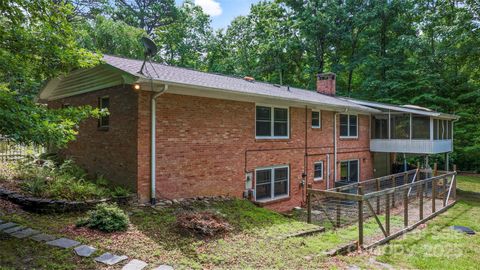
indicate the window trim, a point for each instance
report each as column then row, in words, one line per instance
column 358, row 169
column 323, row 172
column 100, row 126
column 272, row 127
column 348, row 129
column 319, row 119
column 272, row 192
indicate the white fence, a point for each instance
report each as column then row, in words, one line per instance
column 10, row 150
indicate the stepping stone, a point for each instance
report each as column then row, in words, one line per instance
column 1, row 221
column 7, row 225
column 84, row 250
column 164, row 267
column 43, row 237
column 63, row 243
column 13, row 229
column 110, row 259
column 135, row 265
column 25, row 233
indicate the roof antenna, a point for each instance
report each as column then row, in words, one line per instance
column 150, row 50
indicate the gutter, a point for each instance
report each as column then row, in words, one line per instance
column 153, row 143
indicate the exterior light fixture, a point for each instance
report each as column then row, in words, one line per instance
column 136, row 86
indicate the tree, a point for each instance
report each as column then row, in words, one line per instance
column 145, row 14
column 184, row 42
column 111, row 37
column 37, row 42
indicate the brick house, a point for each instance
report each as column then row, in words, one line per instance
column 177, row 133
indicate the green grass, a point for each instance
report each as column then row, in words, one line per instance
column 28, row 254
column 437, row 246
column 468, row 183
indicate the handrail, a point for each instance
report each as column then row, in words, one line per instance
column 405, row 186
column 387, row 177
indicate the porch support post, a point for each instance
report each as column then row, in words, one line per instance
column 447, row 162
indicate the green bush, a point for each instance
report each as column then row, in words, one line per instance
column 7, row 171
column 66, row 180
column 105, row 217
column 120, row 192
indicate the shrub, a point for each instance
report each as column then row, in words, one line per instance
column 70, row 188
column 105, row 217
column 120, row 192
column 7, row 171
column 68, row 167
column 36, row 186
column 203, row 223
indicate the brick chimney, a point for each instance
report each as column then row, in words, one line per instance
column 326, row 83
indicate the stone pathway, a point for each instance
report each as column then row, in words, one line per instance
column 21, row 232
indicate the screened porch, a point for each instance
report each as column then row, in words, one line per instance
column 400, row 132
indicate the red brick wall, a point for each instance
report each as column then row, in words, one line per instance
column 205, row 146
column 111, row 153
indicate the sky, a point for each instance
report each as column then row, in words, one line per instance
column 223, row 12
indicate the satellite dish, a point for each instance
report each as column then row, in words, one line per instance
column 150, row 47
column 150, row 50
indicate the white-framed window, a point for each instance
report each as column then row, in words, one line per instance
column 348, row 126
column 271, row 122
column 104, row 104
column 350, row 170
column 272, row 183
column 316, row 119
column 318, row 170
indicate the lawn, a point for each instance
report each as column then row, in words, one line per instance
column 256, row 242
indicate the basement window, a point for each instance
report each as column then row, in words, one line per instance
column 349, row 170
column 348, row 126
column 271, row 183
column 318, row 171
column 316, row 119
column 271, row 122
column 104, row 105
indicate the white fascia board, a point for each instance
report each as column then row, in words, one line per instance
column 196, row 90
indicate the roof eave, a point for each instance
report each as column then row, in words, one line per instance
column 339, row 108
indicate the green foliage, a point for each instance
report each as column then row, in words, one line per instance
column 105, row 217
column 26, row 122
column 7, row 171
column 403, row 52
column 119, row 192
column 184, row 41
column 111, row 37
column 43, row 178
column 37, row 42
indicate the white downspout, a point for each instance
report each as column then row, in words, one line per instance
column 328, row 171
column 334, row 148
column 153, row 144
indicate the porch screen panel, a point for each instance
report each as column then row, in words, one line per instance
column 450, row 130
column 420, row 127
column 400, row 126
column 380, row 127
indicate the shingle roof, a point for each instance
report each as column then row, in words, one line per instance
column 188, row 77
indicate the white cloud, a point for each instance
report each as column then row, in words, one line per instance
column 211, row 7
